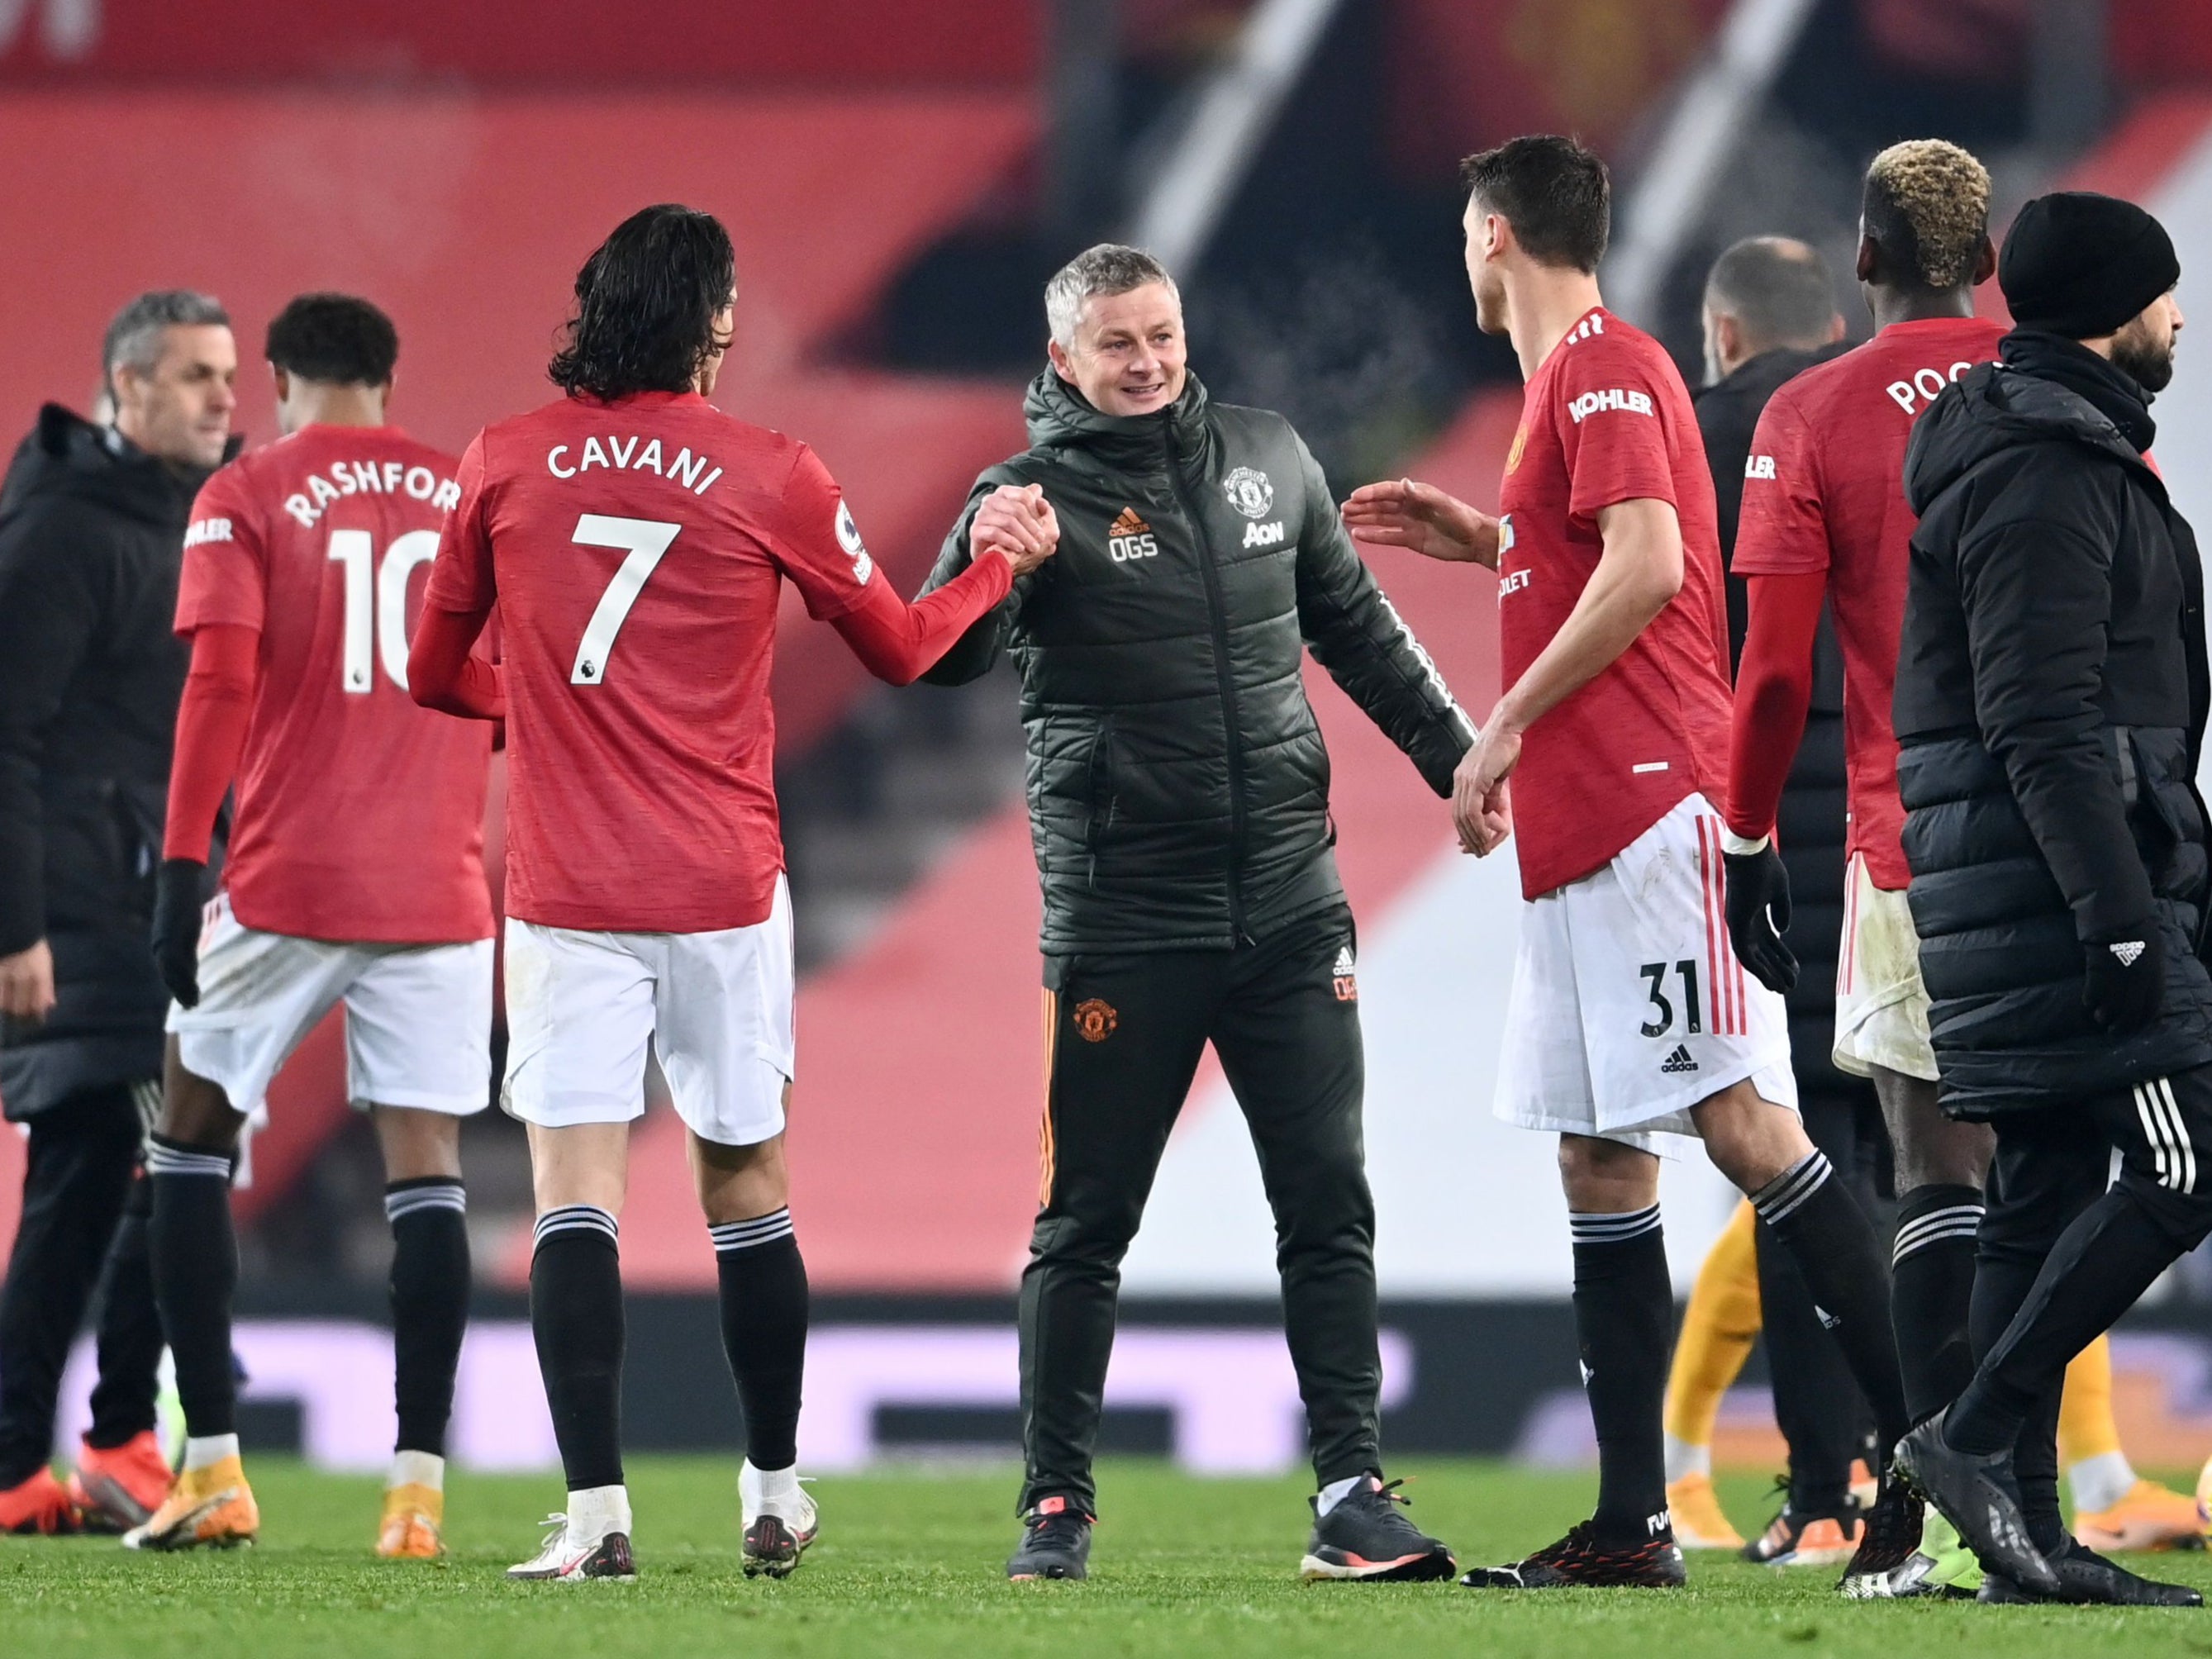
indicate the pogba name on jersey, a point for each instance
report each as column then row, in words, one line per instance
column 378, row 477
column 636, row 454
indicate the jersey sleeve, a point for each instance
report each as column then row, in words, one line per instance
column 816, row 543
column 1612, row 426
column 461, row 579
column 224, row 577
column 1783, row 529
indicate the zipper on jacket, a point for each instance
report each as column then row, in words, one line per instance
column 1217, row 619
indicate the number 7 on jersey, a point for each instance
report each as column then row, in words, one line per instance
column 647, row 539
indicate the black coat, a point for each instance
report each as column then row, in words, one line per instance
column 91, row 540
column 1178, row 787
column 1810, row 829
column 2051, row 700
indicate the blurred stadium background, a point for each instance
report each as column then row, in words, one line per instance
column 899, row 178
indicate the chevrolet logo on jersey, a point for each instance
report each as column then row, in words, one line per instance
column 1130, row 537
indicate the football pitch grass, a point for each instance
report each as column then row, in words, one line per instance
column 910, row 1562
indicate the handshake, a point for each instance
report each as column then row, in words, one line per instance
column 1018, row 524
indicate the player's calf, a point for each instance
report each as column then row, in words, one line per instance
column 429, row 1315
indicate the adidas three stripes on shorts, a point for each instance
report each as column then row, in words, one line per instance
column 1628, row 1006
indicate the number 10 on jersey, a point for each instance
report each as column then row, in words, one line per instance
column 376, row 603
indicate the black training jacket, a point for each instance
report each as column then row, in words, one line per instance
column 1178, row 787
column 2051, row 700
column 91, row 538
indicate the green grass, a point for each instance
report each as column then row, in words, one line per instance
column 909, row 1563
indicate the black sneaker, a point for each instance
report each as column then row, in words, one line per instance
column 1888, row 1565
column 1582, row 1560
column 1979, row 1495
column 2086, row 1578
column 1365, row 1537
column 1055, row 1543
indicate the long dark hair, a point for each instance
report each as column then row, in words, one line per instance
column 646, row 303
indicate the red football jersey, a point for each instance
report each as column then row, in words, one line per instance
column 1607, row 419
column 636, row 550
column 1824, row 490
column 360, row 814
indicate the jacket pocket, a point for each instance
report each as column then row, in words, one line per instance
column 1100, row 786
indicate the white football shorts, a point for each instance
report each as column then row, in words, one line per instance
column 418, row 1017
column 1628, row 1006
column 581, row 1005
column 1881, row 1007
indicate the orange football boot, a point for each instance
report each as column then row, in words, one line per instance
column 119, row 1487
column 212, row 1507
column 39, row 1504
column 2150, row 1518
column 412, row 1517
column 1699, row 1523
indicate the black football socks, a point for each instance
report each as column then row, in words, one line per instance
column 576, row 1314
column 429, row 1304
column 763, row 1296
column 1625, row 1326
column 1931, row 1294
column 195, row 1260
column 1817, row 1220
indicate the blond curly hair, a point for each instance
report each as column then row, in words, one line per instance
column 1927, row 206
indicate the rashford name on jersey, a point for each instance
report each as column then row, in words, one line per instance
column 374, row 476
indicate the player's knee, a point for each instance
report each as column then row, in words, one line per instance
column 1086, row 1235
column 1607, row 1177
column 417, row 1144
column 197, row 1112
column 1750, row 1139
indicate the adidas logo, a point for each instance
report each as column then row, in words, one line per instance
column 2128, row 952
column 1828, row 1320
column 1130, row 537
column 1680, row 1060
column 1343, row 960
column 1347, row 985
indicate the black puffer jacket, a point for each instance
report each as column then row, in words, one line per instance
column 1178, row 787
column 2050, row 700
column 91, row 539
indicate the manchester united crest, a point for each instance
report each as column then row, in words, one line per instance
column 1095, row 1019
column 1249, row 492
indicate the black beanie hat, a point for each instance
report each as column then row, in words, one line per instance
column 2080, row 264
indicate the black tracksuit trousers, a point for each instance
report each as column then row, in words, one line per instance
column 85, row 1205
column 1125, row 1032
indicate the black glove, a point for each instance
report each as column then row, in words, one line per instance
column 1758, row 914
column 177, row 902
column 2124, row 981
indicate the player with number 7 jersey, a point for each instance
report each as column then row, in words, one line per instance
column 637, row 540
